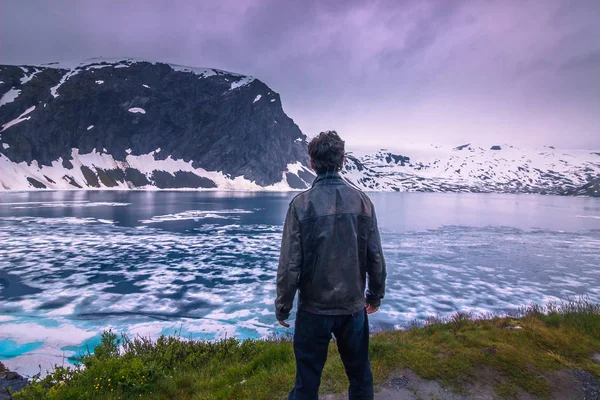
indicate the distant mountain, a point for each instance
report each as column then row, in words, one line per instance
column 126, row 124
column 471, row 168
column 139, row 124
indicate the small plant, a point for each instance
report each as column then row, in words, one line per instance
column 458, row 320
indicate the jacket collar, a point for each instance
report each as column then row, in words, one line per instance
column 327, row 178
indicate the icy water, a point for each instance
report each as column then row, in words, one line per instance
column 203, row 263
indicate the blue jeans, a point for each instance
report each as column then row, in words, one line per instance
column 311, row 340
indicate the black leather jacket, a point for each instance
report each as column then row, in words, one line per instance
column 330, row 246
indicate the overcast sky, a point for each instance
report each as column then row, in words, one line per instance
column 380, row 72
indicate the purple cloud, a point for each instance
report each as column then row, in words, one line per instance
column 381, row 72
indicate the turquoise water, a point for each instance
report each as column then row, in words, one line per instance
column 203, row 264
column 11, row 349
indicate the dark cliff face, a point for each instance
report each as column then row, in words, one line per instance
column 217, row 120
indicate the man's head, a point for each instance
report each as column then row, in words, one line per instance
column 326, row 151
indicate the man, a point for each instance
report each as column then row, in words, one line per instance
column 329, row 251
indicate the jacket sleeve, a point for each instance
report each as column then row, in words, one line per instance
column 376, row 270
column 290, row 264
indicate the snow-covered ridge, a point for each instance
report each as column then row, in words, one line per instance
column 101, row 62
column 472, row 168
column 73, row 68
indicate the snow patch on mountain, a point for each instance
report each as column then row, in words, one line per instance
column 243, row 81
column 54, row 89
column 203, row 72
column 19, row 119
column 137, row 110
column 26, row 78
column 9, row 96
column 76, row 172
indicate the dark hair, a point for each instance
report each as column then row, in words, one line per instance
column 327, row 152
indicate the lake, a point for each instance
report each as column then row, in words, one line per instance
column 203, row 264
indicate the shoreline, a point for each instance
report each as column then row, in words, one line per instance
column 456, row 357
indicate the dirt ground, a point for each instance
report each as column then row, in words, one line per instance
column 406, row 385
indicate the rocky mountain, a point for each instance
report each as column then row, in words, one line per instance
column 472, row 168
column 126, row 124
column 139, row 124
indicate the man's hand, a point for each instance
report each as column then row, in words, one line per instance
column 284, row 324
column 370, row 309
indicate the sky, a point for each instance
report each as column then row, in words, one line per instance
column 381, row 73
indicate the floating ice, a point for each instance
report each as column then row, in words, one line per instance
column 70, row 204
column 197, row 215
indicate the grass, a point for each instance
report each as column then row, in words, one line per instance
column 520, row 349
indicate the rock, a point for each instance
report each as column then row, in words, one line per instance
column 591, row 384
column 596, row 358
column 10, row 382
column 461, row 147
column 400, row 382
column 592, row 188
